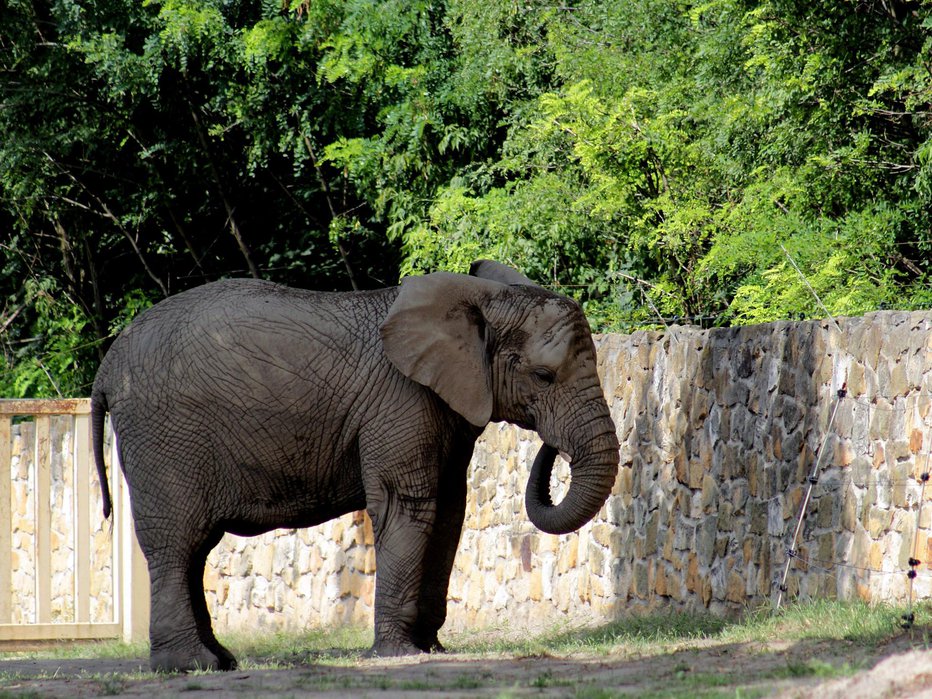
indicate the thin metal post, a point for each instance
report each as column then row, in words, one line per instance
column 813, row 479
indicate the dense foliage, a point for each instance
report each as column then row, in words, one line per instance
column 722, row 161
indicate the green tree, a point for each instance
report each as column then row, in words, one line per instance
column 150, row 147
column 720, row 161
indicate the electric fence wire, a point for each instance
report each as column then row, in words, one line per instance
column 669, row 330
column 829, row 564
column 873, row 405
column 767, row 418
column 877, row 482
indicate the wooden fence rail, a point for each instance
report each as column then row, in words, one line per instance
column 62, row 535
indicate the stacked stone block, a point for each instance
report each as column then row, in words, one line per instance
column 293, row 578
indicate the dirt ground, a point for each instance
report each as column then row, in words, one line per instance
column 899, row 668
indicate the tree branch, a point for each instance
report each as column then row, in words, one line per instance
column 333, row 213
column 97, row 318
column 65, row 246
column 187, row 242
column 8, row 321
column 215, row 174
column 107, row 213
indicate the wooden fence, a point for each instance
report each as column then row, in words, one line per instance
column 52, row 542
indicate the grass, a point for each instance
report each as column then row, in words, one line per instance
column 101, row 650
column 821, row 620
column 822, row 633
column 665, row 631
column 638, row 633
column 340, row 645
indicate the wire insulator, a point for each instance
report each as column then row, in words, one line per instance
column 813, row 479
column 924, row 477
column 911, row 574
column 843, row 391
column 913, row 562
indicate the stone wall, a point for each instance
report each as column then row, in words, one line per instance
column 719, row 431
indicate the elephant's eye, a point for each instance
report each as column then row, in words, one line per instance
column 544, row 375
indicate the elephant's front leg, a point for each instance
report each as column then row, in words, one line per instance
column 403, row 527
column 441, row 552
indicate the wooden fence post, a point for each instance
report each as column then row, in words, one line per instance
column 134, row 572
column 6, row 520
column 82, row 524
column 43, row 495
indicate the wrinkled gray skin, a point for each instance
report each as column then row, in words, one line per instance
column 242, row 406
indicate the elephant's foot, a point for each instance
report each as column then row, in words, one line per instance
column 189, row 660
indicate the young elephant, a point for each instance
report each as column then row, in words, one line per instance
column 242, row 406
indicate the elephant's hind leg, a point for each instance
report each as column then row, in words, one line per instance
column 180, row 632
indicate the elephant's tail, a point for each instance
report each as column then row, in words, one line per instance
column 98, row 412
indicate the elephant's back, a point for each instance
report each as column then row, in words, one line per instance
column 211, row 312
column 241, row 300
column 245, row 335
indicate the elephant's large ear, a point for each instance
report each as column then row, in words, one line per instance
column 497, row 272
column 435, row 334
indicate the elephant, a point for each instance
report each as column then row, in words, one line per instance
column 243, row 406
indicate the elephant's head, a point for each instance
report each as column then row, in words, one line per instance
column 496, row 347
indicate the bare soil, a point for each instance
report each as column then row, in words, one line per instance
column 901, row 667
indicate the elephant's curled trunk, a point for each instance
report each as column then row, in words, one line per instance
column 593, row 472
